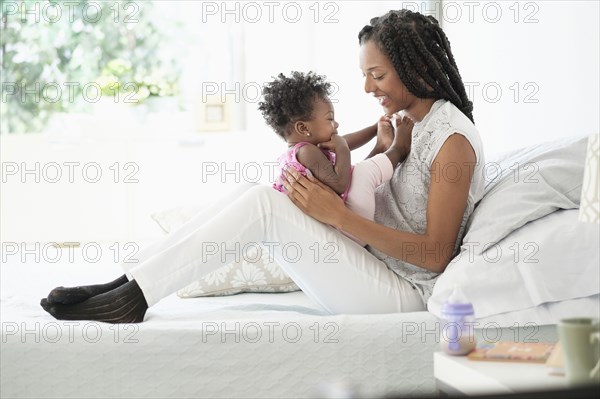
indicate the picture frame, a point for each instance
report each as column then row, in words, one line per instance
column 213, row 114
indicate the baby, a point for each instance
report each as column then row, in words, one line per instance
column 298, row 108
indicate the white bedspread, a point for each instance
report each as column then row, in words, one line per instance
column 249, row 345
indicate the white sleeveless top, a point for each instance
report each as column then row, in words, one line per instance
column 401, row 203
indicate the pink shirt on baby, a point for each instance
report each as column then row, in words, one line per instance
column 288, row 159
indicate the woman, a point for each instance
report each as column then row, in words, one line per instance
column 420, row 213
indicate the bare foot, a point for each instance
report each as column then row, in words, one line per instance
column 400, row 147
column 403, row 137
column 385, row 134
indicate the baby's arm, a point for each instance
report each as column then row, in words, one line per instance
column 360, row 138
column 337, row 177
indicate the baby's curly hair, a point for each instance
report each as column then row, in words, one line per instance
column 287, row 100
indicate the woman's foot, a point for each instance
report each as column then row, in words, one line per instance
column 124, row 304
column 71, row 295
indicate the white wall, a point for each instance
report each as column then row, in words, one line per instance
column 551, row 46
column 328, row 46
column 544, row 52
column 559, row 54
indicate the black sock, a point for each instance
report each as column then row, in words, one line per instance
column 70, row 295
column 124, row 304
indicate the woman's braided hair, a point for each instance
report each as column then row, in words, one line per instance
column 420, row 52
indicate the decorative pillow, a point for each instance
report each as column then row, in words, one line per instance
column 525, row 185
column 261, row 274
column 550, row 260
column 253, row 273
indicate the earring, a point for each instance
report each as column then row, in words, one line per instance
column 308, row 134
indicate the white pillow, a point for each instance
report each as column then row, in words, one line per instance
column 555, row 258
column 254, row 273
column 546, row 313
column 525, row 185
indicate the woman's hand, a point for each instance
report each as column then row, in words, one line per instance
column 314, row 198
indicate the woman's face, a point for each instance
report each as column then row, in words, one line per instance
column 382, row 80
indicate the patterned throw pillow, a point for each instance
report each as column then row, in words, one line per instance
column 256, row 271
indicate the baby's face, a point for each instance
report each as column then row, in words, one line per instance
column 322, row 125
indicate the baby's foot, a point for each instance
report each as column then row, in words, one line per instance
column 400, row 147
column 403, row 137
column 385, row 134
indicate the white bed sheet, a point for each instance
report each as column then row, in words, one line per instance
column 209, row 348
column 205, row 347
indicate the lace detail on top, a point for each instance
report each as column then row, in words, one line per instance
column 401, row 203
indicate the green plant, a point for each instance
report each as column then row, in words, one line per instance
column 51, row 65
column 119, row 77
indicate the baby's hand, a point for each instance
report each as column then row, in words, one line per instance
column 335, row 144
column 385, row 134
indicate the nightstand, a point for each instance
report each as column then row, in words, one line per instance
column 458, row 376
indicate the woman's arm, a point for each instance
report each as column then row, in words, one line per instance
column 446, row 204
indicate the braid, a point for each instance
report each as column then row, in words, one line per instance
column 420, row 53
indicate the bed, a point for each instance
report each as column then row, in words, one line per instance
column 247, row 345
column 283, row 344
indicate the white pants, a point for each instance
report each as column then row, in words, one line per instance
column 334, row 271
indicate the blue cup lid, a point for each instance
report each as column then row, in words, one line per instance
column 458, row 309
